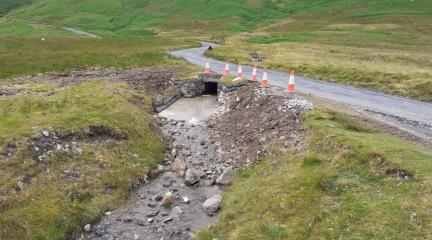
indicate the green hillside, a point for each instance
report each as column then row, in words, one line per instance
column 132, row 16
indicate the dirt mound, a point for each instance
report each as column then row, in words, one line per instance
column 152, row 80
column 254, row 118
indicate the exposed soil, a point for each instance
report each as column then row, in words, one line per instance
column 153, row 81
column 253, row 120
column 46, row 144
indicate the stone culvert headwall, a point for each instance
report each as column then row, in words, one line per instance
column 186, row 88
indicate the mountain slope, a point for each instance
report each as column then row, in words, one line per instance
column 132, row 16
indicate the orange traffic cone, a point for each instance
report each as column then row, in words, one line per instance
column 254, row 73
column 265, row 81
column 207, row 68
column 226, row 71
column 291, row 82
column 240, row 71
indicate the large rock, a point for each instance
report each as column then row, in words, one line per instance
column 212, row 205
column 193, row 176
column 226, row 177
column 178, row 166
column 167, row 200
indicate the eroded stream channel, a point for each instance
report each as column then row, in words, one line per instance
column 207, row 140
column 171, row 205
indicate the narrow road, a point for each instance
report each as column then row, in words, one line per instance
column 410, row 115
column 77, row 31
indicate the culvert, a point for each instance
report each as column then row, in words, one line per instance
column 211, row 88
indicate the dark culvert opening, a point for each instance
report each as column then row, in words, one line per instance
column 211, row 88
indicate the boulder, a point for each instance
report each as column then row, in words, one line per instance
column 226, row 177
column 167, row 200
column 212, row 205
column 193, row 176
column 177, row 166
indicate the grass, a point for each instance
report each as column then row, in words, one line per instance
column 47, row 208
column 338, row 189
column 7, row 5
column 31, row 55
column 227, row 80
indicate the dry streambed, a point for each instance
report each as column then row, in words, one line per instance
column 185, row 196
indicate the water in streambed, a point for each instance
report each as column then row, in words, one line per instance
column 191, row 110
column 144, row 216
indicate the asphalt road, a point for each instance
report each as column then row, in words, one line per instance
column 410, row 115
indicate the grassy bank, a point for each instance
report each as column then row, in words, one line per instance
column 347, row 185
column 55, row 198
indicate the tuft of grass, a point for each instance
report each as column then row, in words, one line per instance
column 52, row 206
column 349, row 195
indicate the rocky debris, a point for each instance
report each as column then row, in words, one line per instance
column 255, row 57
column 212, row 205
column 253, row 119
column 400, row 173
column 10, row 150
column 295, row 103
column 148, row 217
column 45, row 144
column 226, row 177
column 152, row 80
column 6, row 92
column 149, row 79
column 401, row 119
